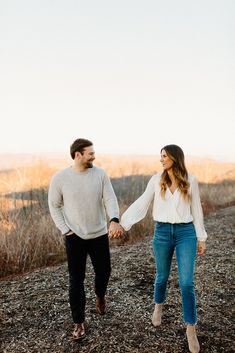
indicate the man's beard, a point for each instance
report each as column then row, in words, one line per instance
column 89, row 165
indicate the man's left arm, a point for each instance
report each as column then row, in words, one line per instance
column 112, row 208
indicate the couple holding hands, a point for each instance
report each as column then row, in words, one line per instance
column 79, row 198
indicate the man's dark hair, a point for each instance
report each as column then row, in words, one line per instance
column 78, row 146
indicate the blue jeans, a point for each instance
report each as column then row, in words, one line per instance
column 167, row 238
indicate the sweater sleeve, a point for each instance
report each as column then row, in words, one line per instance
column 138, row 210
column 109, row 198
column 197, row 213
column 55, row 202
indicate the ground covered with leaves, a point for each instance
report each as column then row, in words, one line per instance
column 35, row 315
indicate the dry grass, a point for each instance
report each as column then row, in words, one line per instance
column 35, row 315
column 206, row 170
column 28, row 237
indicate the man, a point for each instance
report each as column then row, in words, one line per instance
column 79, row 198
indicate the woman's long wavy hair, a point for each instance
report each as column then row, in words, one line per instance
column 179, row 170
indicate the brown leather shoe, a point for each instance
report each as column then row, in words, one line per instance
column 78, row 332
column 100, row 305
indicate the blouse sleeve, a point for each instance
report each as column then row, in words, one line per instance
column 137, row 211
column 196, row 209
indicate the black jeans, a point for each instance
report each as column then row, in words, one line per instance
column 77, row 250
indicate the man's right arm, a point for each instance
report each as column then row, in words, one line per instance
column 55, row 202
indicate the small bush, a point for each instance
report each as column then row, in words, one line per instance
column 28, row 236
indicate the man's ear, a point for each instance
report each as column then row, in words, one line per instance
column 78, row 154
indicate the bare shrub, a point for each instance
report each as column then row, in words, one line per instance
column 29, row 238
column 216, row 196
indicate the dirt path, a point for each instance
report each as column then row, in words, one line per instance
column 35, row 316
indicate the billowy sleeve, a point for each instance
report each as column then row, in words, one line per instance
column 137, row 211
column 197, row 213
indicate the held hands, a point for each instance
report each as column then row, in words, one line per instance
column 201, row 247
column 115, row 230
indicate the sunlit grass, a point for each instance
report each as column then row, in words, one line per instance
column 29, row 238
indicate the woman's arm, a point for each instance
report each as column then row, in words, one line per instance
column 196, row 209
column 137, row 211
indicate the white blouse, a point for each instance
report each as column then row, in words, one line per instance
column 172, row 209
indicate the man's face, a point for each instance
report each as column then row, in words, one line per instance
column 88, row 157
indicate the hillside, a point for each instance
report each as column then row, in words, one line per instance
column 35, row 316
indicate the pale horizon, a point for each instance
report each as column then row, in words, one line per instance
column 130, row 76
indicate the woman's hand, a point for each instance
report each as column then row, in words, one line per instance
column 201, row 247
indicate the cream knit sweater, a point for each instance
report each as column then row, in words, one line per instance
column 80, row 201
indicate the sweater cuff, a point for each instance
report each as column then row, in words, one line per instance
column 65, row 230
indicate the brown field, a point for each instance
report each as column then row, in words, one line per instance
column 28, row 237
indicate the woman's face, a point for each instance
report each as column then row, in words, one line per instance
column 167, row 163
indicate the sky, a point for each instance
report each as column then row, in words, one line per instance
column 130, row 75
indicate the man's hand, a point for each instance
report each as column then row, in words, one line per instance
column 70, row 232
column 201, row 247
column 115, row 230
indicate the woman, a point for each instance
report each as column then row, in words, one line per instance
column 179, row 226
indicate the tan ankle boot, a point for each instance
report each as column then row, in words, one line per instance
column 157, row 315
column 193, row 343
